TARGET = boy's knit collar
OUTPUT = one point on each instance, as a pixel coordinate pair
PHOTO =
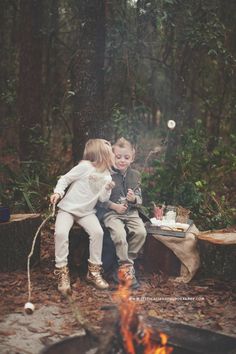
(116, 170)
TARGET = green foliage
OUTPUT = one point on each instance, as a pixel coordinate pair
(127, 124)
(197, 180)
(26, 190)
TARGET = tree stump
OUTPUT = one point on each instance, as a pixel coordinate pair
(16, 237)
(218, 253)
(159, 258)
(217, 260)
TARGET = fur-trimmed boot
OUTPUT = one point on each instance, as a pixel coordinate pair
(94, 276)
(63, 279)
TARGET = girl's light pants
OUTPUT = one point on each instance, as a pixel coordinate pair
(90, 224)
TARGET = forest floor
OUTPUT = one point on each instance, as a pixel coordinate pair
(204, 303)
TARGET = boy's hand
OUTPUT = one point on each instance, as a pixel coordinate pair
(55, 198)
(131, 197)
(119, 208)
(109, 185)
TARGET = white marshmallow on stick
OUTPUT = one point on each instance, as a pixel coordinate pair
(171, 124)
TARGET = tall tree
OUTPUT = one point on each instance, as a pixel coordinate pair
(30, 79)
(88, 75)
(8, 36)
(148, 48)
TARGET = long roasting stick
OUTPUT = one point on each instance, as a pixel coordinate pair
(29, 307)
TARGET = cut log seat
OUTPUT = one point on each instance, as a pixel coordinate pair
(16, 237)
(178, 257)
(218, 253)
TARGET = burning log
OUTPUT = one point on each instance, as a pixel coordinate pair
(184, 339)
(134, 334)
(127, 334)
(187, 339)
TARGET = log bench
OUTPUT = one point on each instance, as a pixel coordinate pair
(217, 258)
(16, 237)
(157, 257)
(178, 257)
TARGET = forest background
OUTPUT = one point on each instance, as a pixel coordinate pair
(78, 69)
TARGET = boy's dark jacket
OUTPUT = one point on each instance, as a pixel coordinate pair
(130, 180)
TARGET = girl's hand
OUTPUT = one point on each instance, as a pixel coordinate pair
(55, 198)
(109, 185)
(119, 208)
(131, 196)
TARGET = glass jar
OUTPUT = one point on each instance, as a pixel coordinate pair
(170, 214)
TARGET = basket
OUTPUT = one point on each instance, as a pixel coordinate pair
(182, 215)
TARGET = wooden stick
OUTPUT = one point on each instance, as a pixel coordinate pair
(32, 250)
(79, 317)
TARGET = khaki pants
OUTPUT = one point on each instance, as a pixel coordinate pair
(127, 246)
(90, 224)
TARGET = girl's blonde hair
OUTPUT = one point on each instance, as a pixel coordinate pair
(99, 152)
(123, 143)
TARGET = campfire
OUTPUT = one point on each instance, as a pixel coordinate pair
(136, 336)
(130, 333)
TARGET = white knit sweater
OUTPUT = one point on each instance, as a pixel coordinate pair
(86, 187)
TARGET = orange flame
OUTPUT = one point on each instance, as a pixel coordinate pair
(141, 336)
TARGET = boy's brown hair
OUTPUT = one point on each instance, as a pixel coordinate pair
(123, 143)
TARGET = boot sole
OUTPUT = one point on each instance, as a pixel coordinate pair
(97, 287)
(65, 293)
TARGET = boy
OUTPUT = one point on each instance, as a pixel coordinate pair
(122, 211)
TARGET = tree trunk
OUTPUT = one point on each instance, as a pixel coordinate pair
(30, 80)
(8, 73)
(53, 88)
(147, 47)
(88, 76)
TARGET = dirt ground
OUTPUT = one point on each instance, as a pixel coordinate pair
(205, 303)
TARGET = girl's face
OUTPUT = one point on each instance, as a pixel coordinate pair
(123, 158)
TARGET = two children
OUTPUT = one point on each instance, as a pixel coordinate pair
(88, 182)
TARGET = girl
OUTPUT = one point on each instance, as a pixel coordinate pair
(88, 182)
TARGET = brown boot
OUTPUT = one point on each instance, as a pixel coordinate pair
(126, 276)
(63, 279)
(94, 276)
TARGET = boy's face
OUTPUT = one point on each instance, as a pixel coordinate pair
(123, 158)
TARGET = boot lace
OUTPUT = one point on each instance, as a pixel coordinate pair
(63, 277)
(127, 273)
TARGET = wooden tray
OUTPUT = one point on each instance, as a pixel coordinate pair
(154, 229)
